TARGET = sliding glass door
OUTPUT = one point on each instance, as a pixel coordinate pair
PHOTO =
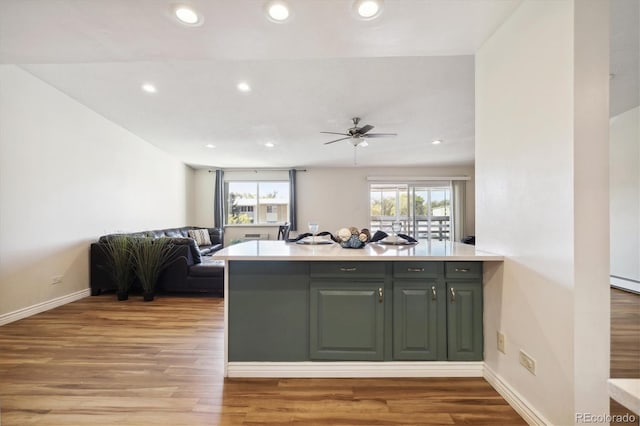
(423, 209)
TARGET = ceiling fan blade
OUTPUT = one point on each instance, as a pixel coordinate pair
(379, 135)
(337, 140)
(364, 129)
(334, 133)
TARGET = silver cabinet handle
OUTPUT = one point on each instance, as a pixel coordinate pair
(347, 269)
(453, 295)
(415, 269)
(433, 293)
(380, 294)
(462, 269)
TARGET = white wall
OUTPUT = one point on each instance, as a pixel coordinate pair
(334, 197)
(541, 200)
(624, 181)
(339, 197)
(67, 176)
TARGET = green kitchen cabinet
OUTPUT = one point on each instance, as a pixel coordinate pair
(419, 321)
(437, 311)
(464, 321)
(464, 311)
(293, 311)
(419, 311)
(346, 320)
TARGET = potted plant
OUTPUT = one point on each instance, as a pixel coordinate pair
(118, 250)
(150, 257)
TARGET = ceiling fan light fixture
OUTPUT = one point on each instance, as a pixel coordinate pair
(368, 9)
(278, 11)
(187, 15)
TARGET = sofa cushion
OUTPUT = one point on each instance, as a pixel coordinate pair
(201, 236)
(205, 250)
(207, 270)
(173, 233)
(159, 233)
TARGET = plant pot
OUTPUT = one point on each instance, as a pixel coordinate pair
(148, 296)
(123, 295)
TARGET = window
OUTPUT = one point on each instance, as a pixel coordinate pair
(423, 209)
(258, 203)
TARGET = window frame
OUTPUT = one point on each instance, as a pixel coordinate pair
(409, 219)
(256, 208)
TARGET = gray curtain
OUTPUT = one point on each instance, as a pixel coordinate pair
(293, 216)
(460, 209)
(218, 200)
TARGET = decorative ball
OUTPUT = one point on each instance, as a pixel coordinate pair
(344, 234)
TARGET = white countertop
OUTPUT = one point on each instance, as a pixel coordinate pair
(626, 392)
(281, 250)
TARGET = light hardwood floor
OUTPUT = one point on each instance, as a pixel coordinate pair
(625, 342)
(102, 362)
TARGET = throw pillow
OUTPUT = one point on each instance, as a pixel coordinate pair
(201, 236)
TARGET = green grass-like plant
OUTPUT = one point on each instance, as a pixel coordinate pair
(119, 257)
(150, 257)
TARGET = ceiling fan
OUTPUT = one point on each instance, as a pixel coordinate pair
(358, 135)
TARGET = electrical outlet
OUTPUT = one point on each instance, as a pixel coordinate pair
(501, 342)
(527, 362)
(56, 279)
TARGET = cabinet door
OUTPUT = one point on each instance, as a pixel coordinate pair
(418, 321)
(464, 321)
(346, 320)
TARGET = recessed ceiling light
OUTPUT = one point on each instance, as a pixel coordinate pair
(243, 86)
(187, 15)
(437, 142)
(278, 11)
(149, 88)
(210, 145)
(269, 144)
(368, 9)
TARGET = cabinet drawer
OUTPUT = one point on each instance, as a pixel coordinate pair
(463, 269)
(417, 269)
(348, 269)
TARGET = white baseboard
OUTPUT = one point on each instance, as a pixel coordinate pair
(43, 306)
(359, 369)
(515, 400)
(625, 284)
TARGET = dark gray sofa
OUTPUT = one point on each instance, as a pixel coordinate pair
(189, 269)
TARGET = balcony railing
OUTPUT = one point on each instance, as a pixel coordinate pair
(435, 228)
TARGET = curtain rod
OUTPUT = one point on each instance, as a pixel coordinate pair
(256, 170)
(414, 178)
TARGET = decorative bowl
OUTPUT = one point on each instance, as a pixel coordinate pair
(353, 242)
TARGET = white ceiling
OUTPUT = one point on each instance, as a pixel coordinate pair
(410, 71)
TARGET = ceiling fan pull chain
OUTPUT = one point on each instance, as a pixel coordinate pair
(355, 155)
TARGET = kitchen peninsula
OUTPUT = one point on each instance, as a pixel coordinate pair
(296, 310)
